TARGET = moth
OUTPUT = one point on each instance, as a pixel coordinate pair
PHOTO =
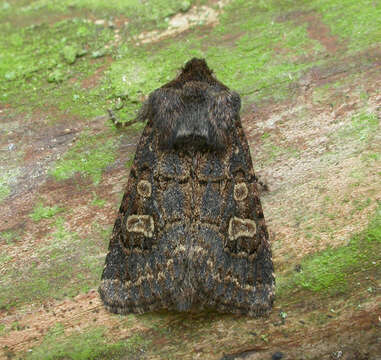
(190, 233)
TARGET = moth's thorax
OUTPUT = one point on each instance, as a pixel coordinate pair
(205, 116)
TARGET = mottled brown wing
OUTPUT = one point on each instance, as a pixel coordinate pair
(130, 274)
(146, 265)
(190, 232)
(233, 266)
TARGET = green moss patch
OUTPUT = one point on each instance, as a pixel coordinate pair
(363, 126)
(256, 49)
(97, 201)
(356, 23)
(9, 236)
(89, 344)
(262, 56)
(44, 212)
(6, 178)
(360, 129)
(66, 264)
(332, 271)
(4, 190)
(44, 65)
(138, 14)
(251, 65)
(89, 156)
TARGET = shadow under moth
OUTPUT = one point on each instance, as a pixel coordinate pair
(190, 233)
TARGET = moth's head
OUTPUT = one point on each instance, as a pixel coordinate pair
(195, 70)
(194, 109)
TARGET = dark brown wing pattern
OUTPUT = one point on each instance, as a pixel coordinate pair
(190, 232)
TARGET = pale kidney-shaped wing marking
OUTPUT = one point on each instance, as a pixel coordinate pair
(241, 228)
(141, 224)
